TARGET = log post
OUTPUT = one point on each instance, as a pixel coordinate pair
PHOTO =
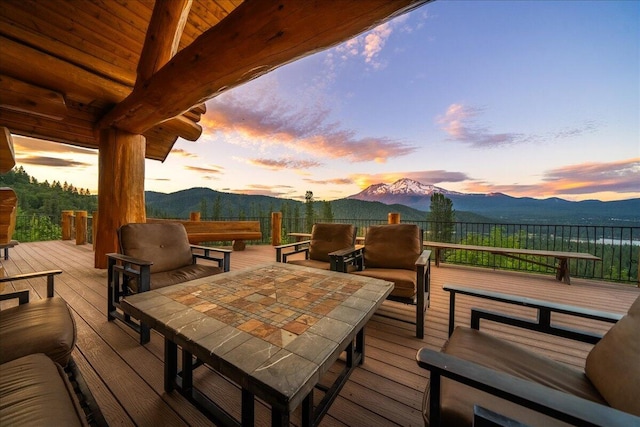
(81, 227)
(393, 218)
(66, 224)
(276, 228)
(194, 216)
(120, 188)
(94, 228)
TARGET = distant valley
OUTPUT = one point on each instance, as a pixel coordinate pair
(411, 199)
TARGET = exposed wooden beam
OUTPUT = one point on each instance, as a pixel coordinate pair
(20, 96)
(163, 36)
(254, 39)
(182, 127)
(22, 61)
(7, 155)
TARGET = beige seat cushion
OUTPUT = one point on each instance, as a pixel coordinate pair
(613, 365)
(165, 244)
(35, 391)
(43, 326)
(486, 350)
(404, 281)
(329, 237)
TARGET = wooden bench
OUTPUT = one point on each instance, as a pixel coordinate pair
(216, 231)
(562, 269)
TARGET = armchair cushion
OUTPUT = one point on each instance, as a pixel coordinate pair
(166, 244)
(36, 391)
(613, 365)
(392, 246)
(330, 237)
(484, 349)
(179, 275)
(404, 280)
(43, 326)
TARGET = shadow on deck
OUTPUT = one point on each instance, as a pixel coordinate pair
(127, 379)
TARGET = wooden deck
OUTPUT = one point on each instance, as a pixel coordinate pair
(126, 378)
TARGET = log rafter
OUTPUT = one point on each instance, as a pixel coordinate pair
(255, 38)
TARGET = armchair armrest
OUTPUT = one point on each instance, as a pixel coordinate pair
(563, 406)
(545, 308)
(298, 247)
(119, 263)
(224, 262)
(351, 255)
(50, 274)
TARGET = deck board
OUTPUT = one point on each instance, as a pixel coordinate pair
(126, 378)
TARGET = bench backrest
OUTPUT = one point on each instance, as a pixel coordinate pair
(214, 226)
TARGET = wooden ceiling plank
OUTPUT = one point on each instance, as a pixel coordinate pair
(53, 46)
(26, 63)
(20, 96)
(97, 36)
(35, 23)
(163, 36)
(254, 39)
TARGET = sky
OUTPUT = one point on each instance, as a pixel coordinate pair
(529, 98)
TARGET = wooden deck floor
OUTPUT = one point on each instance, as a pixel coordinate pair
(126, 378)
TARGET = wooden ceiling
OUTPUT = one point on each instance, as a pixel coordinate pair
(69, 68)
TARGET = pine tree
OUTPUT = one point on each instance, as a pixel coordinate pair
(309, 214)
(441, 217)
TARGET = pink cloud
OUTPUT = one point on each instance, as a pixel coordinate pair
(271, 122)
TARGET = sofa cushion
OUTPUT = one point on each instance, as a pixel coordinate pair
(326, 238)
(486, 350)
(165, 244)
(404, 281)
(392, 246)
(34, 390)
(613, 365)
(43, 326)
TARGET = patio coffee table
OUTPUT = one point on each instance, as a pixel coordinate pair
(273, 329)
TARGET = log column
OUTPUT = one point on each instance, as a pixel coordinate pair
(120, 188)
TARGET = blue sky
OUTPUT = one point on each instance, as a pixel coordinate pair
(529, 98)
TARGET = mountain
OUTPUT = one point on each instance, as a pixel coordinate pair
(502, 207)
(180, 203)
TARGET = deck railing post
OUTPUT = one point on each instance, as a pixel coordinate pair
(81, 227)
(276, 228)
(66, 224)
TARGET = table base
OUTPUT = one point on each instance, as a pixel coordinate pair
(182, 381)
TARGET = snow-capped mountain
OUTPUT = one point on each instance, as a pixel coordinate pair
(402, 187)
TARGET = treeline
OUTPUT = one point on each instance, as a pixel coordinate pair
(44, 198)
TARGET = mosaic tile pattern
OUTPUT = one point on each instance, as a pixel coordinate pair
(273, 303)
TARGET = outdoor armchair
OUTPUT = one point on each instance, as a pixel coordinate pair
(394, 252)
(326, 238)
(476, 368)
(153, 256)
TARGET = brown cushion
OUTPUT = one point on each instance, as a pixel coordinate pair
(43, 326)
(179, 275)
(404, 281)
(318, 264)
(36, 392)
(327, 238)
(613, 365)
(392, 246)
(486, 350)
(165, 244)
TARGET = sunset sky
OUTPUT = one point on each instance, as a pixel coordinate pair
(538, 99)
